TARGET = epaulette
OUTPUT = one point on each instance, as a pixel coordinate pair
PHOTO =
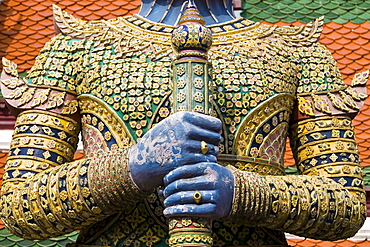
(128, 35)
(342, 100)
(21, 95)
(77, 28)
(304, 35)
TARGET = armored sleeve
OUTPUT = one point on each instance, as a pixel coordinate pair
(327, 200)
(45, 193)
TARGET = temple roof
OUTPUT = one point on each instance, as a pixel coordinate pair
(338, 11)
(320, 243)
(9, 240)
(26, 25)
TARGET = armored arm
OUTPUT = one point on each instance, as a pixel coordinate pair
(327, 201)
(45, 193)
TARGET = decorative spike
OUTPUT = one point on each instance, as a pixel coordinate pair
(192, 14)
(192, 38)
(9, 67)
(360, 78)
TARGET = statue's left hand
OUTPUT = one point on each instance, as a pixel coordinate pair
(200, 190)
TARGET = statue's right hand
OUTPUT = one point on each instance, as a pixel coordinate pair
(174, 142)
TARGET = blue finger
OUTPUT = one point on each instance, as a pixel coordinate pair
(189, 184)
(188, 171)
(195, 158)
(187, 197)
(203, 210)
(200, 134)
(203, 121)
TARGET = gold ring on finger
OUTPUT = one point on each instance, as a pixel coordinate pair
(204, 147)
(197, 196)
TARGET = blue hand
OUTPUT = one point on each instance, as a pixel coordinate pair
(174, 142)
(214, 182)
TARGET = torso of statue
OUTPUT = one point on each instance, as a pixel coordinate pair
(128, 82)
(119, 74)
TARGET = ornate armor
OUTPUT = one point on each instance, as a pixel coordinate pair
(112, 80)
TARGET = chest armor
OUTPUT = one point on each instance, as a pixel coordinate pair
(123, 93)
(254, 82)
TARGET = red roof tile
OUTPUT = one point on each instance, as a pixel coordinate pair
(319, 243)
(30, 22)
(344, 30)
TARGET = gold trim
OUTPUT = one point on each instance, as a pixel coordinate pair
(190, 231)
(66, 124)
(66, 150)
(285, 104)
(39, 136)
(330, 141)
(26, 157)
(97, 107)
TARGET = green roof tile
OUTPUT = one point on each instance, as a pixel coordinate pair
(25, 243)
(270, 2)
(324, 2)
(341, 20)
(253, 2)
(291, 170)
(296, 6)
(313, 5)
(330, 16)
(253, 9)
(348, 6)
(290, 19)
(354, 2)
(271, 19)
(9, 240)
(6, 243)
(4, 234)
(365, 16)
(340, 11)
(14, 238)
(366, 171)
(330, 6)
(322, 12)
(349, 16)
(289, 2)
(262, 5)
(364, 5)
(263, 15)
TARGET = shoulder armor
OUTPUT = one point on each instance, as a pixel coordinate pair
(129, 35)
(304, 35)
(344, 100)
(77, 28)
(21, 95)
